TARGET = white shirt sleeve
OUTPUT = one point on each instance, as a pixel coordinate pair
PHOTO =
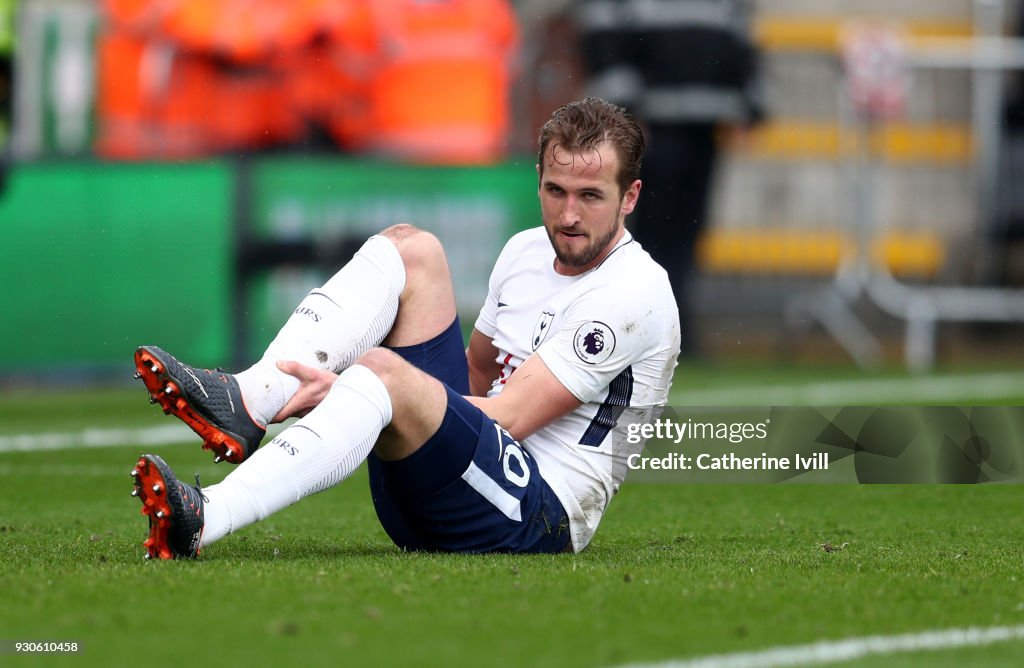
(603, 332)
(487, 322)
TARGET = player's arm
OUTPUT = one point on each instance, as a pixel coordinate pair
(482, 358)
(531, 399)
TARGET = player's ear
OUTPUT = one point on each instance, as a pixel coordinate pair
(630, 197)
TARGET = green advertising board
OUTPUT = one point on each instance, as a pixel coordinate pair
(96, 259)
(472, 210)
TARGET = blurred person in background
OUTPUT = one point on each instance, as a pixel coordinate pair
(688, 70)
(194, 78)
(416, 80)
(435, 79)
(1008, 232)
(7, 8)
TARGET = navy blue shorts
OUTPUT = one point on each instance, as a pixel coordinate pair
(471, 487)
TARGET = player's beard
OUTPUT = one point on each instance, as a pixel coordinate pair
(584, 256)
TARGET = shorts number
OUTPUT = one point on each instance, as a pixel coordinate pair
(512, 450)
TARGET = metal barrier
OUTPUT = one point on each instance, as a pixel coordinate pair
(905, 84)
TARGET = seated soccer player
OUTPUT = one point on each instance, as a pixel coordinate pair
(514, 444)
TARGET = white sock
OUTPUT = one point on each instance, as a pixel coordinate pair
(315, 453)
(331, 327)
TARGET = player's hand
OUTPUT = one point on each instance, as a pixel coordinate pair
(314, 384)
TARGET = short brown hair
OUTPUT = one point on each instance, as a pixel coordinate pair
(582, 125)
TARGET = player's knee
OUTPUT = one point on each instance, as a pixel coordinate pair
(400, 232)
(419, 249)
(385, 364)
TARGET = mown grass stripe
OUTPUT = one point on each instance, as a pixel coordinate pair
(94, 437)
(874, 391)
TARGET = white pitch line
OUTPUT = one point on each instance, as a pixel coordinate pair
(832, 651)
(167, 434)
(872, 391)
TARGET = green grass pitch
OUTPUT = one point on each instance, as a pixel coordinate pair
(675, 571)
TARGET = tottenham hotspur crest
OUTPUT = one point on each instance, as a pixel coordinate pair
(594, 342)
(541, 329)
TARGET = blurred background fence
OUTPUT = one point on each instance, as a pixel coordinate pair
(183, 178)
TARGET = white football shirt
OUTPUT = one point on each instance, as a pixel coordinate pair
(609, 335)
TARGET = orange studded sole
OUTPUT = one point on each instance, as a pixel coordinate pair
(165, 391)
(151, 489)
